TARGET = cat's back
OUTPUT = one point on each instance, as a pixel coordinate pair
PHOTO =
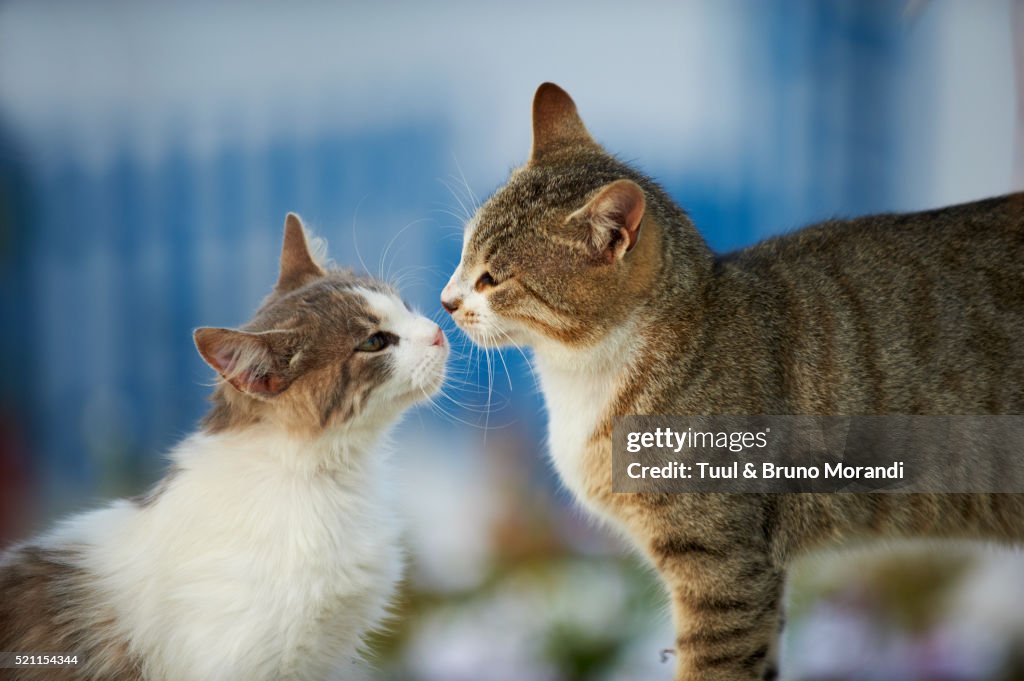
(895, 313)
(975, 234)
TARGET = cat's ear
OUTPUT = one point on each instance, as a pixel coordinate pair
(556, 123)
(297, 264)
(614, 217)
(249, 361)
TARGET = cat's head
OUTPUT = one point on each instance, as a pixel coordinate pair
(564, 252)
(326, 349)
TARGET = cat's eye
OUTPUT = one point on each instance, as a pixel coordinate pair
(485, 281)
(376, 342)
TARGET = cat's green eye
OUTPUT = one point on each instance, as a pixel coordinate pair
(376, 342)
(485, 281)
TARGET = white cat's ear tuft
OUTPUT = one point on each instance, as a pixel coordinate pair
(556, 123)
(248, 361)
(615, 215)
(298, 266)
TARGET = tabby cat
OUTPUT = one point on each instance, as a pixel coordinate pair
(628, 311)
(271, 546)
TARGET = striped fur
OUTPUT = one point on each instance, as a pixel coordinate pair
(890, 314)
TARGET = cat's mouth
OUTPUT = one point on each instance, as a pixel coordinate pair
(470, 325)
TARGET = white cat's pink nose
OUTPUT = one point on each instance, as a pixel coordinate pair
(438, 338)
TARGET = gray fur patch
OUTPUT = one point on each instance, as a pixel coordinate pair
(47, 605)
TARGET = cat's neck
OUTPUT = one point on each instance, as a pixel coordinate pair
(580, 386)
(267, 445)
(584, 380)
(607, 357)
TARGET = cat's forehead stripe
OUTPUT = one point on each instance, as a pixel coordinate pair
(485, 243)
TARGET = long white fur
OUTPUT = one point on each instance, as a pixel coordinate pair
(579, 386)
(248, 566)
(572, 418)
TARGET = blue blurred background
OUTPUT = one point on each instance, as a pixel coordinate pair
(149, 153)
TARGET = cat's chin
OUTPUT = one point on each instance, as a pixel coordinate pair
(399, 403)
(429, 389)
(422, 390)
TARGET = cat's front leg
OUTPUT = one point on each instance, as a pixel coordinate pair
(727, 609)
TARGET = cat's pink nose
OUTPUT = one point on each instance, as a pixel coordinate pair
(438, 337)
(450, 299)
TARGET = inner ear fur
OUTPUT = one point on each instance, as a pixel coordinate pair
(615, 215)
(252, 362)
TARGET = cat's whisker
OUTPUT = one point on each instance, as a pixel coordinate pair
(355, 239)
(490, 381)
(471, 360)
(512, 343)
(474, 201)
(432, 403)
(448, 416)
(457, 216)
(454, 184)
(529, 364)
(465, 210)
(462, 383)
(396, 279)
(391, 242)
(453, 229)
(409, 279)
(476, 409)
(459, 381)
(508, 374)
(494, 400)
(473, 363)
(469, 391)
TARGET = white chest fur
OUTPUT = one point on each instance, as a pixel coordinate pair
(576, 402)
(246, 567)
(579, 388)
